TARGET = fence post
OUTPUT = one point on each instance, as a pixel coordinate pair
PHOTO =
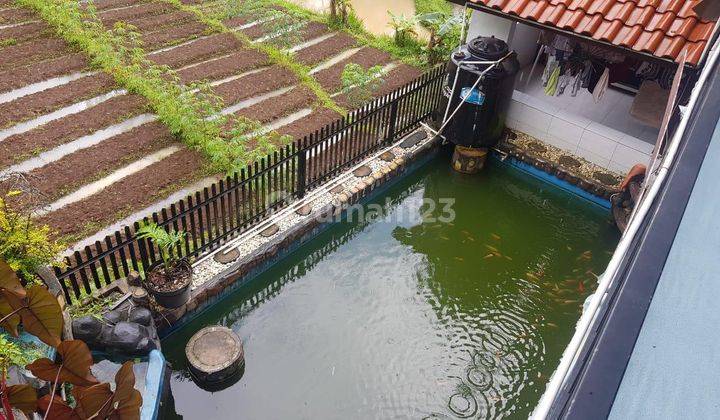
(301, 168)
(393, 120)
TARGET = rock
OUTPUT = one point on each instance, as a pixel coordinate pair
(126, 336)
(385, 170)
(113, 317)
(88, 329)
(387, 156)
(304, 210)
(413, 139)
(362, 171)
(133, 279)
(270, 231)
(337, 189)
(227, 257)
(139, 296)
(142, 316)
(343, 198)
(145, 345)
(393, 166)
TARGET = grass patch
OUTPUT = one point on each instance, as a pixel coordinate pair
(432, 6)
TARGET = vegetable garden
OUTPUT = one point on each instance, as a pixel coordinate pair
(112, 108)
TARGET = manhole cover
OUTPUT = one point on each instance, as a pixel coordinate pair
(569, 161)
(304, 210)
(362, 171)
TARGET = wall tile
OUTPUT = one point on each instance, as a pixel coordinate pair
(592, 157)
(605, 131)
(560, 143)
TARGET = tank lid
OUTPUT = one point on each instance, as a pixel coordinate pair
(488, 48)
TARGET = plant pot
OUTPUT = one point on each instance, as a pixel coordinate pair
(175, 297)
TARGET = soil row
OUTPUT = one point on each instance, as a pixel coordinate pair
(193, 52)
(279, 106)
(309, 124)
(15, 15)
(33, 73)
(127, 195)
(101, 5)
(331, 78)
(255, 84)
(19, 147)
(109, 18)
(326, 49)
(29, 52)
(173, 35)
(27, 107)
(395, 79)
(24, 32)
(67, 174)
(159, 21)
(236, 63)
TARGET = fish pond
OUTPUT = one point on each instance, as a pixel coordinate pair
(452, 297)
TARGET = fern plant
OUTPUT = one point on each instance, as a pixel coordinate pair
(165, 240)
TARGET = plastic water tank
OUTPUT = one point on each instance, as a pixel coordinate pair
(480, 121)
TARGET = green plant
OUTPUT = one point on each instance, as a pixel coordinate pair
(340, 11)
(7, 42)
(444, 34)
(403, 27)
(41, 315)
(94, 307)
(189, 111)
(17, 353)
(359, 84)
(432, 6)
(23, 244)
(165, 240)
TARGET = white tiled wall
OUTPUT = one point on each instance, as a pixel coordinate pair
(602, 145)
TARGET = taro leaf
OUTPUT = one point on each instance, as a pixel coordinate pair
(94, 401)
(59, 410)
(75, 366)
(22, 397)
(40, 313)
(11, 323)
(9, 280)
(127, 399)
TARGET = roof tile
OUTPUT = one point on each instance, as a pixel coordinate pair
(660, 27)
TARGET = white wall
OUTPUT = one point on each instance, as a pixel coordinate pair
(484, 24)
(597, 143)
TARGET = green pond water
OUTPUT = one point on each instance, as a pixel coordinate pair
(407, 316)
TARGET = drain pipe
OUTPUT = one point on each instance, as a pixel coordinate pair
(571, 353)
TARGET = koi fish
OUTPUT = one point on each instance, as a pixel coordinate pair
(495, 236)
(581, 287)
(532, 276)
(550, 324)
(471, 239)
(444, 238)
(488, 256)
(460, 258)
(491, 248)
(508, 258)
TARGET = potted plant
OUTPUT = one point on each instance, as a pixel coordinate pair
(168, 280)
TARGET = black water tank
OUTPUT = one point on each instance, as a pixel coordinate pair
(481, 120)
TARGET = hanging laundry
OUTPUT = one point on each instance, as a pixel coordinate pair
(549, 67)
(602, 85)
(552, 82)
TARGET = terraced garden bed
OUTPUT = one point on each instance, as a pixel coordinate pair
(95, 151)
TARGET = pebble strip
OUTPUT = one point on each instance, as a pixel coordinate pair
(209, 268)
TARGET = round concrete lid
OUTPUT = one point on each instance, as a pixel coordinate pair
(213, 349)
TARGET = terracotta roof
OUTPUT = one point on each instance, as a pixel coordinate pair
(659, 27)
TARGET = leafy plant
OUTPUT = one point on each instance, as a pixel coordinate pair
(444, 34)
(41, 315)
(165, 240)
(359, 85)
(23, 244)
(403, 27)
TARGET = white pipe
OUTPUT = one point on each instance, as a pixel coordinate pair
(571, 353)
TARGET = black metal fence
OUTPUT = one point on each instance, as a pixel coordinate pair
(229, 207)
